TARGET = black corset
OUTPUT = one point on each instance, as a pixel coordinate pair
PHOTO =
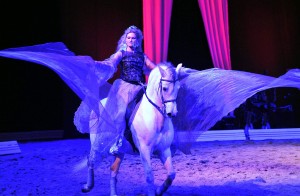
(132, 65)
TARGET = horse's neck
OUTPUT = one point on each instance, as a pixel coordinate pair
(153, 96)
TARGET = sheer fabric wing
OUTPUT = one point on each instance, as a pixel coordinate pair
(82, 74)
(207, 96)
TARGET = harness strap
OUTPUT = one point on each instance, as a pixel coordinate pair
(156, 106)
(162, 98)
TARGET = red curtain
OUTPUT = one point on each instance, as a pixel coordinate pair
(156, 27)
(215, 17)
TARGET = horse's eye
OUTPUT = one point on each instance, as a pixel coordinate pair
(165, 89)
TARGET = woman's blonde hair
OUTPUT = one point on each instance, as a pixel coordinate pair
(139, 36)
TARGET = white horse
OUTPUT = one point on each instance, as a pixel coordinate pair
(151, 128)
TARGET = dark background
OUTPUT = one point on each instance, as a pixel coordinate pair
(264, 37)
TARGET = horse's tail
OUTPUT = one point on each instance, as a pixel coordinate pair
(82, 164)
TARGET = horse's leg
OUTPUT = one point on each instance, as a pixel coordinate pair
(90, 164)
(114, 172)
(145, 154)
(93, 125)
(166, 159)
(90, 175)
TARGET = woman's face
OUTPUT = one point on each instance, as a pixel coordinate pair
(131, 40)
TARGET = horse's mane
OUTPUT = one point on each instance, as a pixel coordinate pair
(156, 74)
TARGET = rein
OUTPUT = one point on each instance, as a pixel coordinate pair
(161, 110)
(156, 106)
(162, 98)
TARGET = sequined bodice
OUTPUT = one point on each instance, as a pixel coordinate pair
(132, 65)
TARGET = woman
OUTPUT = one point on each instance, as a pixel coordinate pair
(133, 66)
(109, 125)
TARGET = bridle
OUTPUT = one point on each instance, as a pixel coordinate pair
(163, 109)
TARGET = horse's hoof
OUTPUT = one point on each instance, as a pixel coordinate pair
(86, 188)
(158, 193)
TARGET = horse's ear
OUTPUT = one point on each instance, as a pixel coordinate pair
(178, 68)
(162, 72)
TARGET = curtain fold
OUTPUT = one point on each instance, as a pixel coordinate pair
(156, 27)
(215, 18)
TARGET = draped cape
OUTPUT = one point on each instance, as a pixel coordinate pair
(204, 97)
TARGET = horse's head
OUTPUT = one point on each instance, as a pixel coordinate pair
(168, 88)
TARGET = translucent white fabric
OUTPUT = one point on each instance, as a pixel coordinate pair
(204, 98)
(207, 96)
(86, 77)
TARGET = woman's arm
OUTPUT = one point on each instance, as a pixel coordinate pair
(116, 58)
(110, 64)
(149, 64)
(113, 60)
